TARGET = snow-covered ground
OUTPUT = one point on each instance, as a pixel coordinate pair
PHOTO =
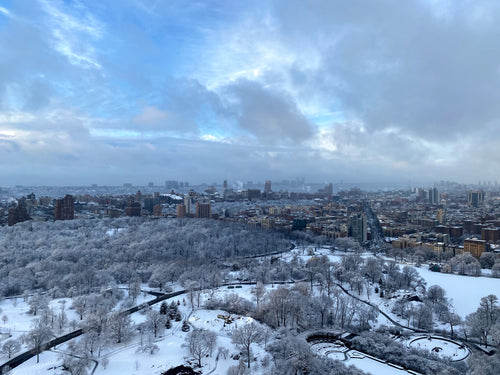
(357, 359)
(465, 291)
(125, 359)
(441, 346)
(19, 321)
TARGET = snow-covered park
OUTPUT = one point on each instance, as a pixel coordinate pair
(129, 359)
(169, 349)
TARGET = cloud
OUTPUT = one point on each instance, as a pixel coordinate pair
(418, 66)
(5, 11)
(151, 117)
(338, 89)
(70, 31)
(271, 116)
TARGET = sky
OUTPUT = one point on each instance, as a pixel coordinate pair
(135, 91)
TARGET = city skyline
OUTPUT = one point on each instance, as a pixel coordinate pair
(135, 91)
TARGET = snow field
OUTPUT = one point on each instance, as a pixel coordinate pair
(465, 291)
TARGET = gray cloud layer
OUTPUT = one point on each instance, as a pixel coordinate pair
(353, 90)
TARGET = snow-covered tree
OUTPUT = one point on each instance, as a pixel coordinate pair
(245, 336)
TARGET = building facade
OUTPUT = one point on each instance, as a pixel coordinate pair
(64, 209)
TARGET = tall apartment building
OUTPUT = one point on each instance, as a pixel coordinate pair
(358, 227)
(203, 210)
(433, 196)
(64, 209)
(188, 202)
(19, 213)
(267, 186)
(475, 197)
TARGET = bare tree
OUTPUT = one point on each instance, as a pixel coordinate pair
(322, 305)
(435, 295)
(37, 338)
(134, 288)
(155, 322)
(10, 347)
(149, 346)
(37, 303)
(75, 365)
(484, 318)
(372, 268)
(245, 336)
(120, 327)
(80, 305)
(200, 343)
(280, 304)
(259, 292)
(453, 319)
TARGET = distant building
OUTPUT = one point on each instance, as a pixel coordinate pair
(267, 223)
(433, 196)
(210, 190)
(456, 232)
(490, 234)
(253, 194)
(138, 196)
(441, 216)
(475, 247)
(133, 208)
(327, 190)
(358, 227)
(267, 187)
(181, 210)
(188, 202)
(150, 202)
(203, 210)
(64, 209)
(18, 214)
(157, 210)
(170, 184)
(475, 198)
(275, 211)
(299, 224)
